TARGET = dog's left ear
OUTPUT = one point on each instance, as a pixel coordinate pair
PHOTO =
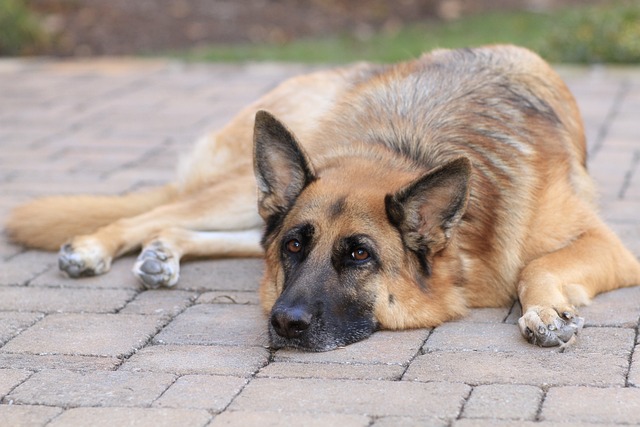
(281, 166)
(428, 209)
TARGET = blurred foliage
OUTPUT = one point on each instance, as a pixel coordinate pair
(608, 33)
(586, 34)
(389, 46)
(407, 42)
(20, 31)
(597, 34)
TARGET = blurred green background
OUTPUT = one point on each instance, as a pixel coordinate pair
(330, 31)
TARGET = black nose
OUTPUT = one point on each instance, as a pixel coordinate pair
(290, 322)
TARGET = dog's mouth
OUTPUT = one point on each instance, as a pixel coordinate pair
(294, 329)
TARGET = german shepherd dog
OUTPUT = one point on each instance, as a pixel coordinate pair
(394, 197)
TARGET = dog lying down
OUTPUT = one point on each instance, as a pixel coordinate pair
(381, 196)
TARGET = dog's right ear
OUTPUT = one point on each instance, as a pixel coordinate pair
(281, 167)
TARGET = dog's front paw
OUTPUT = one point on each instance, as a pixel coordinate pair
(157, 266)
(547, 327)
(82, 258)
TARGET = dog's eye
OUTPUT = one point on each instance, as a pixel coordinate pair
(293, 246)
(360, 254)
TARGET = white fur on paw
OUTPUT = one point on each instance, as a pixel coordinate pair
(83, 259)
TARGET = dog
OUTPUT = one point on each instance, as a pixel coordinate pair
(381, 196)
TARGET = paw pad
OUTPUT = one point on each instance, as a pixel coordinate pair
(156, 268)
(558, 332)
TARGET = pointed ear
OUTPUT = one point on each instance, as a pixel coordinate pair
(281, 167)
(428, 209)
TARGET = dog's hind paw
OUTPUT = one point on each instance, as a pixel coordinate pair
(82, 259)
(157, 267)
(547, 327)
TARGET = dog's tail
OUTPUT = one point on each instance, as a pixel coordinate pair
(49, 222)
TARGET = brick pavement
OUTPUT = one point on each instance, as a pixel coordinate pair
(103, 351)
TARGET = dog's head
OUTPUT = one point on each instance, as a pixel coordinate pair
(354, 246)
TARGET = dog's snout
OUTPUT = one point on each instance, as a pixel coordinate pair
(290, 322)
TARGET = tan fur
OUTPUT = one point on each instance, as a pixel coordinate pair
(527, 228)
(49, 222)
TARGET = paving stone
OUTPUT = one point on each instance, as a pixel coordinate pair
(621, 210)
(624, 128)
(148, 124)
(332, 371)
(12, 323)
(276, 419)
(37, 362)
(62, 178)
(119, 277)
(384, 347)
(100, 388)
(620, 308)
(409, 421)
(500, 337)
(467, 336)
(162, 302)
(25, 267)
(514, 314)
(513, 402)
(229, 297)
(633, 193)
(511, 423)
(211, 392)
(27, 415)
(114, 335)
(373, 398)
(138, 417)
(629, 233)
(540, 369)
(110, 152)
(608, 168)
(211, 324)
(54, 187)
(221, 275)
(593, 405)
(51, 300)
(618, 341)
(634, 372)
(138, 177)
(10, 378)
(7, 249)
(33, 175)
(194, 359)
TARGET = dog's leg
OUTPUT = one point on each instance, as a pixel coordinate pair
(229, 205)
(159, 262)
(552, 286)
